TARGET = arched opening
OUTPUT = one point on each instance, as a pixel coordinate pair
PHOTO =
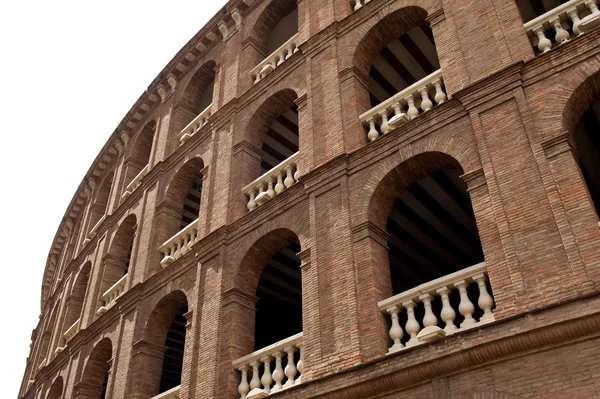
(400, 57)
(117, 262)
(271, 269)
(56, 389)
(277, 28)
(97, 370)
(435, 258)
(275, 127)
(75, 304)
(138, 163)
(194, 109)
(587, 141)
(100, 205)
(44, 355)
(166, 333)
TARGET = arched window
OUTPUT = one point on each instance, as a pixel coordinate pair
(137, 164)
(44, 354)
(436, 265)
(272, 269)
(117, 263)
(400, 58)
(75, 303)
(277, 29)
(275, 127)
(195, 106)
(165, 329)
(100, 205)
(56, 390)
(587, 142)
(96, 371)
(180, 223)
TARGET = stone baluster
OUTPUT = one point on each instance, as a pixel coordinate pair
(440, 96)
(447, 314)
(289, 180)
(270, 190)
(290, 368)
(429, 319)
(278, 375)
(267, 379)
(279, 187)
(544, 44)
(426, 103)
(291, 50)
(412, 325)
(562, 35)
(574, 16)
(251, 203)
(591, 4)
(244, 388)
(300, 365)
(412, 112)
(385, 127)
(466, 307)
(485, 302)
(373, 133)
(396, 332)
(255, 381)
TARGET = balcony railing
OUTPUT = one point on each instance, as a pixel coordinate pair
(582, 14)
(280, 352)
(110, 296)
(407, 301)
(405, 105)
(273, 182)
(274, 60)
(194, 126)
(71, 331)
(136, 182)
(358, 4)
(180, 244)
(172, 393)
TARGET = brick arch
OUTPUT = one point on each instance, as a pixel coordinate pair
(159, 320)
(77, 296)
(271, 14)
(96, 367)
(259, 246)
(569, 100)
(138, 152)
(376, 32)
(266, 113)
(56, 390)
(450, 151)
(117, 263)
(196, 85)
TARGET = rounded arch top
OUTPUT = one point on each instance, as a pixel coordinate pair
(56, 390)
(159, 321)
(269, 18)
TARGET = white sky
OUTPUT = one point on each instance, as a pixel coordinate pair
(70, 72)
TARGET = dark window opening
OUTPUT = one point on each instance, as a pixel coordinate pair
(587, 141)
(173, 355)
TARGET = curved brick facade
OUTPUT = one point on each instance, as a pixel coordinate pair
(507, 126)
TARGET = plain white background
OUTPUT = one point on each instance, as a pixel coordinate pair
(70, 70)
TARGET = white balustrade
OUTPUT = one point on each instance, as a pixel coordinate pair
(172, 393)
(267, 379)
(405, 105)
(273, 182)
(136, 182)
(427, 329)
(71, 331)
(180, 244)
(112, 294)
(274, 60)
(358, 4)
(194, 126)
(578, 16)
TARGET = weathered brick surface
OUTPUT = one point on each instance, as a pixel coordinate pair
(507, 126)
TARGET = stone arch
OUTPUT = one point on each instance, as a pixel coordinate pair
(56, 390)
(156, 371)
(96, 372)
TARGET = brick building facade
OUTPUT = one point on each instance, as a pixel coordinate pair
(342, 199)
